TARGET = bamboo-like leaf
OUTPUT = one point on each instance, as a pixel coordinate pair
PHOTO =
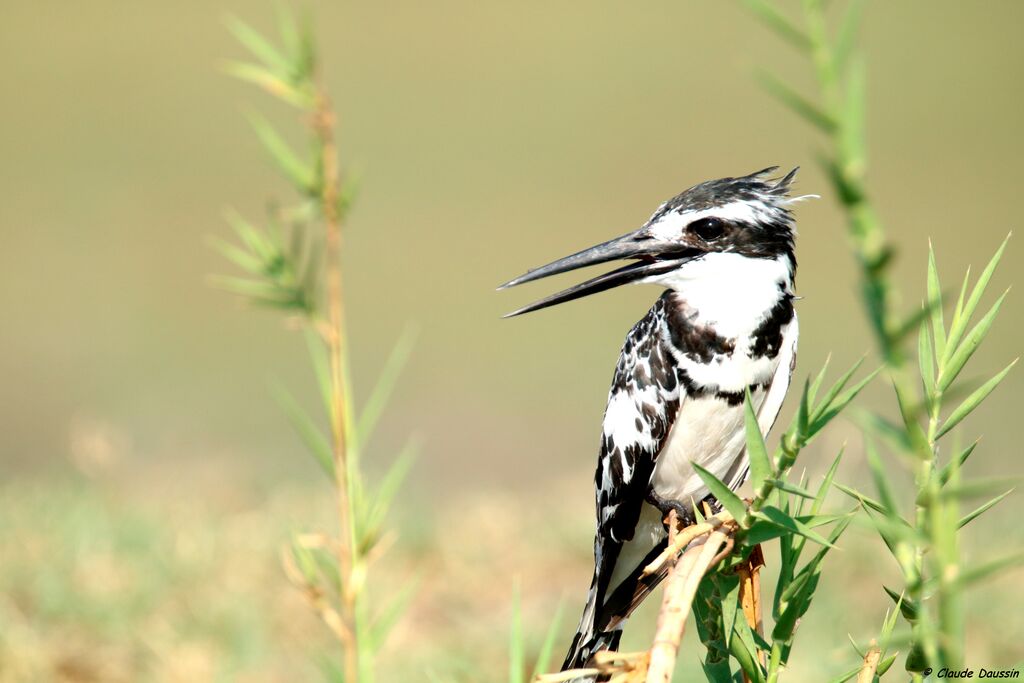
(985, 571)
(548, 644)
(826, 482)
(951, 368)
(389, 615)
(935, 304)
(926, 362)
(270, 83)
(389, 486)
(771, 17)
(846, 36)
(885, 664)
(842, 678)
(973, 401)
(812, 391)
(800, 491)
(259, 46)
(314, 439)
(959, 325)
(321, 368)
(297, 171)
(241, 258)
(852, 123)
(516, 646)
(893, 434)
(386, 381)
(881, 479)
(906, 606)
(729, 500)
(256, 241)
(827, 414)
(757, 452)
(982, 509)
(956, 463)
(799, 104)
(834, 390)
(781, 519)
(958, 310)
(861, 498)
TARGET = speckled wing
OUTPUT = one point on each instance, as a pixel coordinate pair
(642, 405)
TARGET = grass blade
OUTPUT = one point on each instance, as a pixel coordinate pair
(757, 452)
(729, 500)
(935, 303)
(314, 439)
(799, 104)
(972, 401)
(957, 329)
(779, 23)
(547, 646)
(386, 381)
(982, 509)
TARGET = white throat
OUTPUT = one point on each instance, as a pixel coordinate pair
(729, 292)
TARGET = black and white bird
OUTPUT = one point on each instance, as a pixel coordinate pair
(725, 324)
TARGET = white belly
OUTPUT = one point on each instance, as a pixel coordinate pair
(707, 431)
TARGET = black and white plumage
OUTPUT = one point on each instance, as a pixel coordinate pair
(723, 252)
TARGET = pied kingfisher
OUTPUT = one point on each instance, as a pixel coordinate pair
(723, 251)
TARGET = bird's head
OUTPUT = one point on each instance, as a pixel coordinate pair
(746, 216)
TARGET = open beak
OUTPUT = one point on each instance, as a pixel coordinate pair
(654, 257)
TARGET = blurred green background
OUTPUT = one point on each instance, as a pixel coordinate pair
(149, 476)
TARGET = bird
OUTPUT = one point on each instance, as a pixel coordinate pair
(723, 252)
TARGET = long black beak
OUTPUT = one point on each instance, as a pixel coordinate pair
(655, 256)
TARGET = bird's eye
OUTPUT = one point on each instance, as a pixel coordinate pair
(707, 229)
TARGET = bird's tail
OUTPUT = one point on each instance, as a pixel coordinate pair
(588, 639)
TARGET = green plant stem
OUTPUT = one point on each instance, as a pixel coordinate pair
(358, 653)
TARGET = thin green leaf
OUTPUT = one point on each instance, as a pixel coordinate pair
(799, 104)
(881, 479)
(842, 678)
(269, 82)
(386, 381)
(985, 571)
(389, 487)
(947, 470)
(516, 646)
(812, 391)
(297, 171)
(259, 46)
(839, 402)
(891, 433)
(729, 500)
(851, 126)
(241, 258)
(757, 452)
(926, 362)
(935, 303)
(951, 368)
(973, 401)
(886, 664)
(317, 444)
(321, 367)
(771, 17)
(834, 390)
(781, 519)
(847, 34)
(982, 509)
(800, 491)
(390, 614)
(547, 646)
(959, 325)
(826, 482)
(906, 606)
